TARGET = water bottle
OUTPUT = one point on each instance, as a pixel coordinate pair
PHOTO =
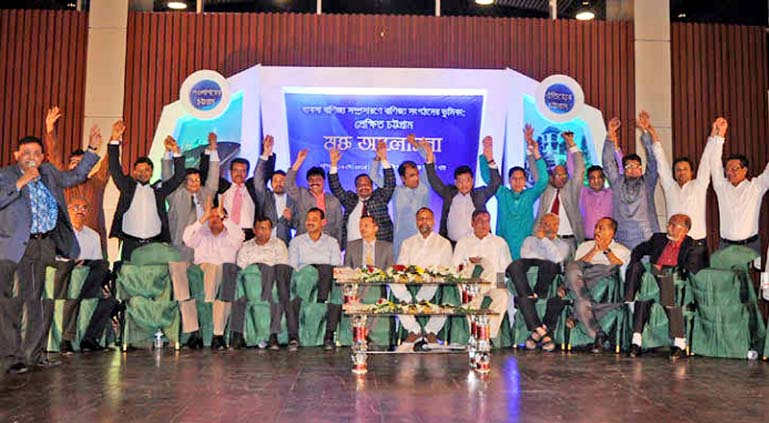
(158, 339)
(752, 355)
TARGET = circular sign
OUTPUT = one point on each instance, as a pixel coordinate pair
(205, 94)
(560, 98)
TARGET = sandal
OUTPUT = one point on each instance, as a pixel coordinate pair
(532, 341)
(547, 343)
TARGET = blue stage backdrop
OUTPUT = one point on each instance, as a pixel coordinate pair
(354, 123)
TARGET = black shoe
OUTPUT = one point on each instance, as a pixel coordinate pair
(273, 343)
(66, 348)
(217, 343)
(195, 341)
(600, 341)
(293, 344)
(89, 345)
(328, 343)
(676, 353)
(47, 364)
(17, 369)
(237, 341)
(635, 351)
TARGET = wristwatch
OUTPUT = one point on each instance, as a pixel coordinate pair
(606, 253)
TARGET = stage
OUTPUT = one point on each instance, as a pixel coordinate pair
(312, 385)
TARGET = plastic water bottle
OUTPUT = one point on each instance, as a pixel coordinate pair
(158, 339)
(752, 355)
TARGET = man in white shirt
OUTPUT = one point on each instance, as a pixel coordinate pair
(315, 248)
(238, 198)
(216, 241)
(546, 251)
(595, 260)
(482, 248)
(424, 249)
(739, 199)
(271, 255)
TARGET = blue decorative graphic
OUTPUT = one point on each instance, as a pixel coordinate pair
(559, 99)
(205, 95)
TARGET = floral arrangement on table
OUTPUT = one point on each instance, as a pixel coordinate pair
(384, 306)
(399, 273)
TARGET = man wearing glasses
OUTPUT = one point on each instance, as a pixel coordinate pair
(633, 192)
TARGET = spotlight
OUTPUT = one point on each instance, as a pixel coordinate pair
(484, 2)
(585, 12)
(176, 5)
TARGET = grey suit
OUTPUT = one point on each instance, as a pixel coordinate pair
(383, 254)
(569, 197)
(181, 212)
(28, 258)
(304, 201)
(266, 202)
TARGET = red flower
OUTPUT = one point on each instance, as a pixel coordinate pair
(399, 268)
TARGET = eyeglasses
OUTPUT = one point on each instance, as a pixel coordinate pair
(734, 168)
(79, 208)
(632, 166)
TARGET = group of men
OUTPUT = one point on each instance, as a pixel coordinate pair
(271, 221)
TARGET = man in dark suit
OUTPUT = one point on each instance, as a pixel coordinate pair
(140, 217)
(364, 201)
(35, 228)
(462, 198)
(275, 204)
(667, 252)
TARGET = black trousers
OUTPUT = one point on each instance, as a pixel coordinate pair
(516, 271)
(98, 277)
(30, 271)
(129, 244)
(325, 283)
(279, 275)
(665, 281)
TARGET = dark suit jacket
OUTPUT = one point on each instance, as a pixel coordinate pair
(266, 201)
(376, 205)
(127, 187)
(16, 214)
(383, 254)
(480, 195)
(691, 256)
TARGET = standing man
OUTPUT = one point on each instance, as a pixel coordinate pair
(34, 218)
(595, 201)
(461, 198)
(314, 197)
(424, 249)
(633, 192)
(739, 198)
(140, 217)
(274, 203)
(561, 196)
(320, 250)
(364, 201)
(187, 203)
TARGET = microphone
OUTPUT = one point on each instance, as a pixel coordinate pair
(32, 163)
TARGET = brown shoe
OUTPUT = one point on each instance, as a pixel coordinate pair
(432, 338)
(411, 338)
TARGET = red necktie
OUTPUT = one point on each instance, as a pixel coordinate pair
(364, 212)
(556, 203)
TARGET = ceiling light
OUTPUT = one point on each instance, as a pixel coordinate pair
(585, 15)
(484, 2)
(682, 16)
(176, 5)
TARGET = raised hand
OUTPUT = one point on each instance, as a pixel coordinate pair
(488, 148)
(267, 145)
(118, 128)
(643, 123)
(568, 136)
(614, 125)
(429, 154)
(212, 138)
(722, 125)
(170, 144)
(528, 133)
(334, 156)
(412, 140)
(381, 150)
(53, 115)
(94, 138)
(300, 157)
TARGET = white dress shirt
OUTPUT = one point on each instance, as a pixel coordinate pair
(214, 249)
(619, 250)
(738, 207)
(280, 205)
(491, 247)
(247, 208)
(353, 222)
(691, 198)
(564, 226)
(460, 216)
(272, 253)
(141, 220)
(90, 244)
(555, 250)
(434, 250)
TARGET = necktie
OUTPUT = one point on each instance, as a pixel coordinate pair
(364, 212)
(237, 204)
(556, 203)
(369, 256)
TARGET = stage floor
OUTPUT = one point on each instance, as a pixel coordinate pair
(312, 385)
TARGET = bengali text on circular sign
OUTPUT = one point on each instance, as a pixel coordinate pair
(205, 94)
(560, 98)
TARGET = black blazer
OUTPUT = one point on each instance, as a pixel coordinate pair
(127, 187)
(692, 257)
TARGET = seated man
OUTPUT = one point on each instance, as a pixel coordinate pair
(93, 287)
(595, 260)
(322, 251)
(216, 241)
(424, 249)
(674, 250)
(271, 254)
(546, 251)
(482, 248)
